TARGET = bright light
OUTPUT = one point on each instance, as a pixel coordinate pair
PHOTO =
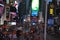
(39, 20)
(35, 4)
(24, 19)
(2, 5)
(35, 7)
(13, 23)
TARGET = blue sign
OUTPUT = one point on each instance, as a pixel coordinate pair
(50, 22)
(34, 13)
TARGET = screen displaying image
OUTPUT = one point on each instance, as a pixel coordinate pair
(34, 13)
(35, 4)
(50, 22)
(35, 7)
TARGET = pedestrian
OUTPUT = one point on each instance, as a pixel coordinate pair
(18, 34)
(10, 35)
(14, 35)
(21, 10)
(4, 27)
(1, 35)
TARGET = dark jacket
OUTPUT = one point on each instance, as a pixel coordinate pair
(12, 9)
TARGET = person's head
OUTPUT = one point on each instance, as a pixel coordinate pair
(21, 0)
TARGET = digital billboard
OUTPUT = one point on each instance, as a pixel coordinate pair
(34, 13)
(50, 22)
(35, 7)
(35, 4)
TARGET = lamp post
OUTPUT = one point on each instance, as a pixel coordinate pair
(45, 21)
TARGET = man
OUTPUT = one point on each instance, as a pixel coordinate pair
(21, 10)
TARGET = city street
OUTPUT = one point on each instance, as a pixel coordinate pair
(29, 19)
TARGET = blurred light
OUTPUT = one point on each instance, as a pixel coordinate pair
(39, 20)
(51, 11)
(33, 23)
(2, 5)
(35, 4)
(7, 1)
(28, 19)
(13, 23)
(24, 19)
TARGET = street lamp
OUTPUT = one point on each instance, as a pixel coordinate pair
(45, 21)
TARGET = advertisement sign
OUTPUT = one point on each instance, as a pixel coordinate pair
(51, 11)
(34, 13)
(50, 22)
(35, 4)
(35, 7)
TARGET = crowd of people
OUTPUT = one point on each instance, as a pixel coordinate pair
(16, 34)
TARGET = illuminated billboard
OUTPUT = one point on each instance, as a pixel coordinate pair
(51, 11)
(35, 7)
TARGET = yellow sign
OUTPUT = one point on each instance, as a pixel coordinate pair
(51, 11)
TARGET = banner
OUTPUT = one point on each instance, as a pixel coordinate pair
(35, 7)
(51, 11)
(50, 22)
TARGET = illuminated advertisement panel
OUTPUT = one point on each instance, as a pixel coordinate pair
(35, 7)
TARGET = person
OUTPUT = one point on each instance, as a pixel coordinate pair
(14, 35)
(4, 26)
(17, 34)
(21, 10)
(1, 35)
(12, 8)
(10, 35)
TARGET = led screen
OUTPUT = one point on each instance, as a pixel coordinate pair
(35, 7)
(34, 13)
(35, 4)
(50, 22)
